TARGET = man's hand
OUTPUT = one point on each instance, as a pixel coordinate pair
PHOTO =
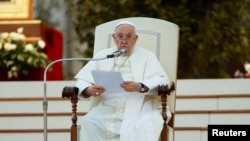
(131, 86)
(95, 90)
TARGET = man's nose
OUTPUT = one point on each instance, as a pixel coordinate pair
(124, 40)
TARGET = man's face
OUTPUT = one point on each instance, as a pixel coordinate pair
(125, 36)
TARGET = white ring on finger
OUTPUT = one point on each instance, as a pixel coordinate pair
(96, 93)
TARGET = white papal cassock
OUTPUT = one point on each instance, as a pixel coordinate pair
(125, 116)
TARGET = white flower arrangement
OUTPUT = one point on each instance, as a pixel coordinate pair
(247, 68)
(18, 56)
(239, 74)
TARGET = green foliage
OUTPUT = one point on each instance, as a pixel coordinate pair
(214, 35)
(44, 13)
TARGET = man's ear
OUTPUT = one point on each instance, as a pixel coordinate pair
(136, 36)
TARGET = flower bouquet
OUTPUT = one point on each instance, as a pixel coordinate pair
(239, 74)
(19, 56)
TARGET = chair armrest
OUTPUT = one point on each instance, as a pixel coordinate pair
(163, 91)
(69, 92)
(72, 93)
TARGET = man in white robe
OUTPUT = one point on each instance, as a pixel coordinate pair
(134, 115)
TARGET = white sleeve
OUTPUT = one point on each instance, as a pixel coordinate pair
(153, 83)
(81, 85)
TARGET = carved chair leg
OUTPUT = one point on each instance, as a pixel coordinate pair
(164, 133)
(72, 92)
(163, 91)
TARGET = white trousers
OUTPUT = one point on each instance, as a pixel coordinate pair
(103, 123)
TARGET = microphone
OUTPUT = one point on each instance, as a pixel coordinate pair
(45, 102)
(118, 53)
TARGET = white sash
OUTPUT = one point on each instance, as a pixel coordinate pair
(133, 127)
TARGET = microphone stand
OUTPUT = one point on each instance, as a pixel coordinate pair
(45, 102)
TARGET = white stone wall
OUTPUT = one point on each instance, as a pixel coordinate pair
(184, 88)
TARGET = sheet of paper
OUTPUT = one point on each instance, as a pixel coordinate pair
(110, 80)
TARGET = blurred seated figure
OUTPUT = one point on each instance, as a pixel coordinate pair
(132, 115)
